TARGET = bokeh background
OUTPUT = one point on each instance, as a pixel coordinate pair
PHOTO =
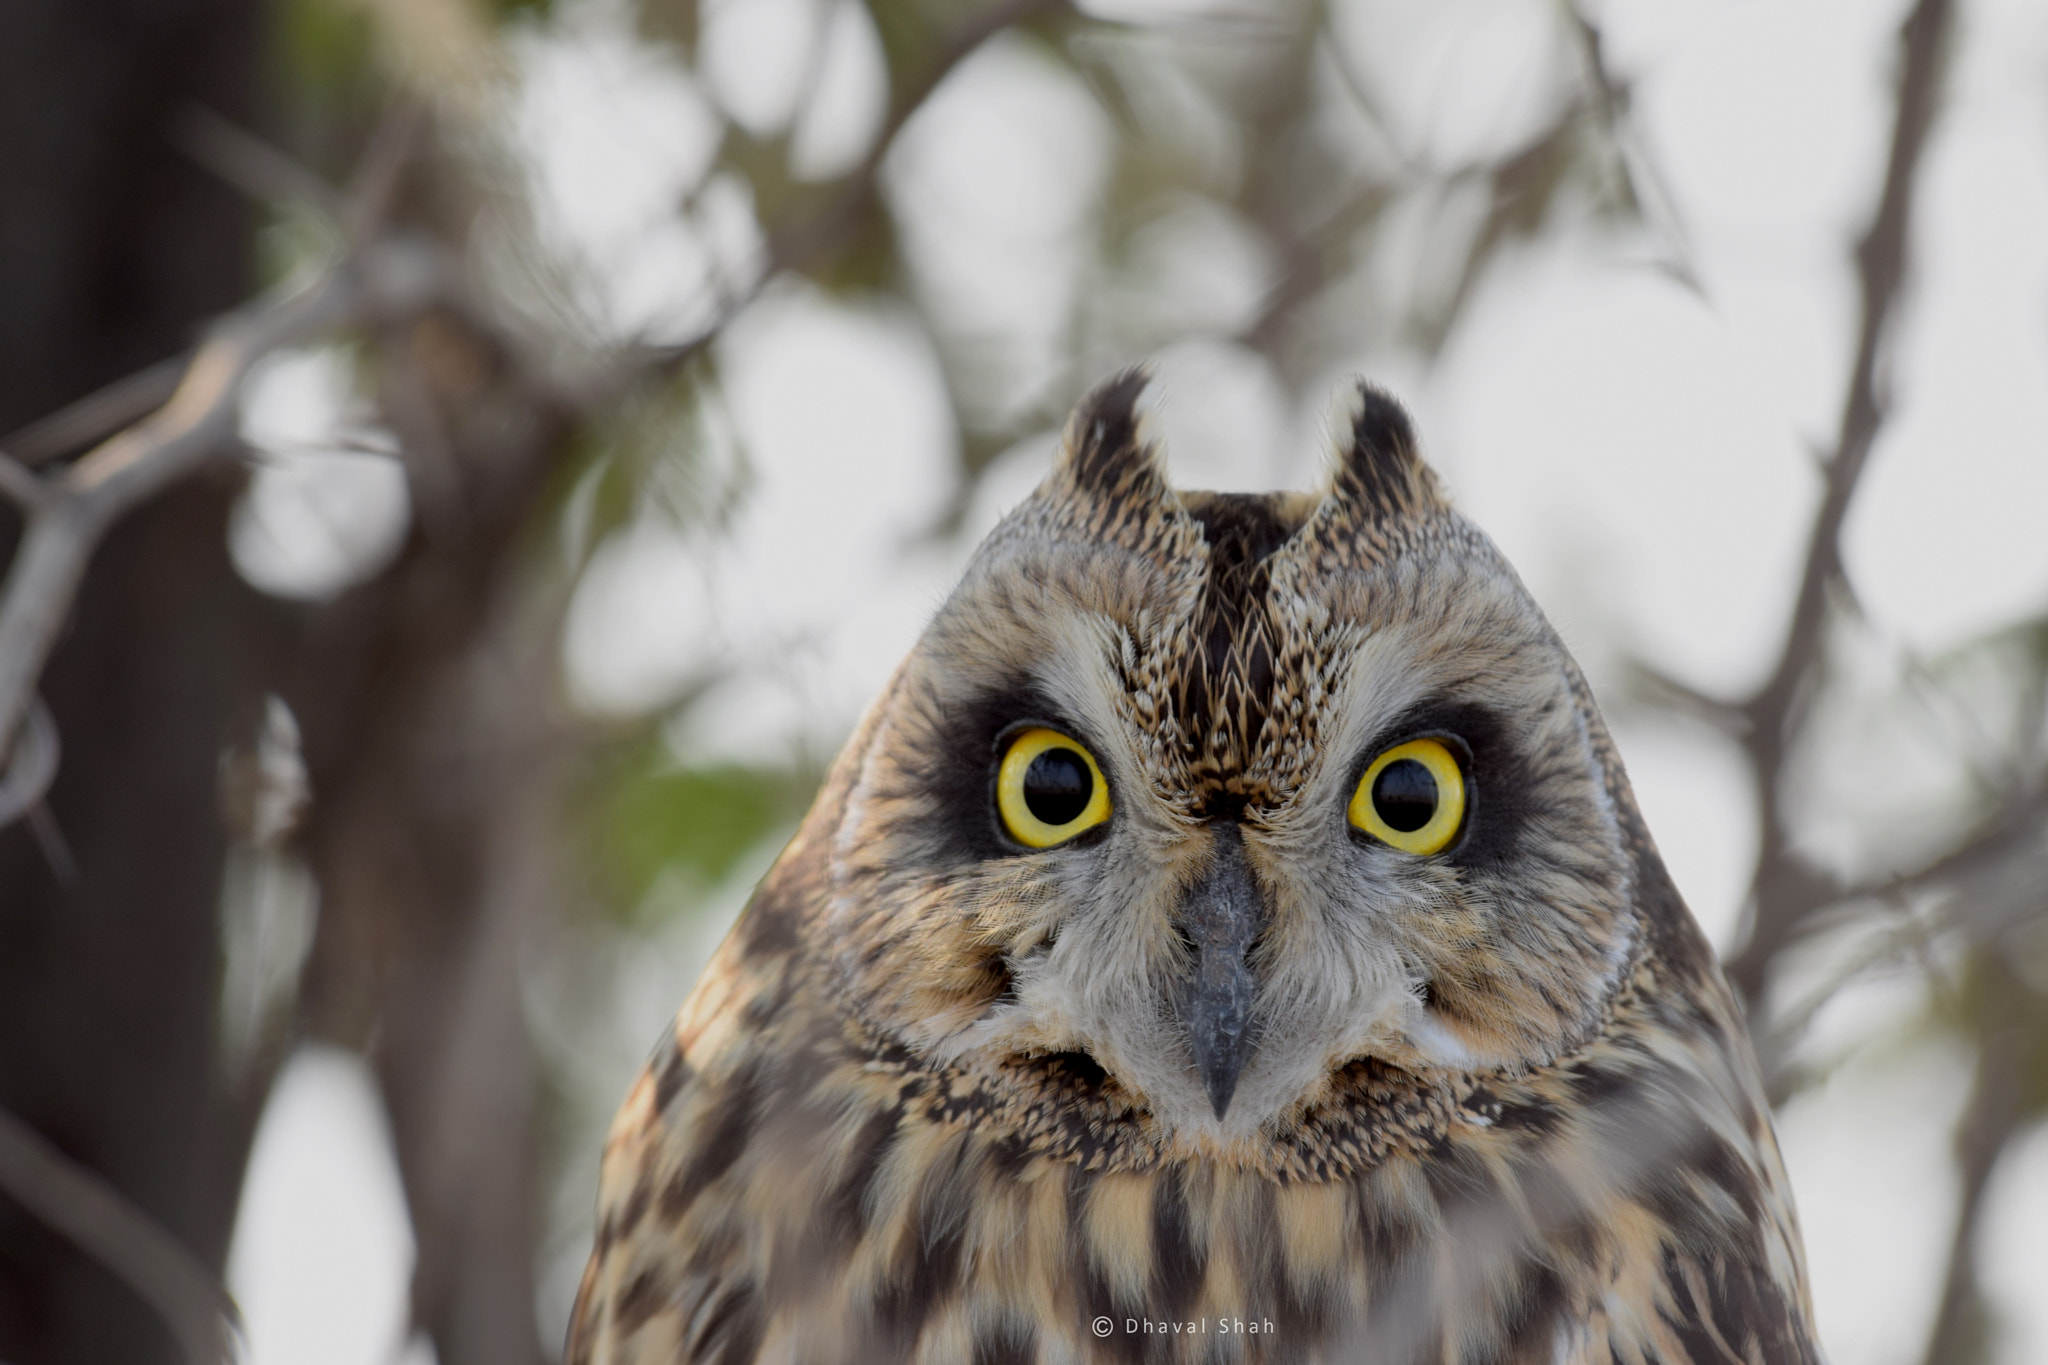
(420, 742)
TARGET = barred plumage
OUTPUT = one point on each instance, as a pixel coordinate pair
(944, 1097)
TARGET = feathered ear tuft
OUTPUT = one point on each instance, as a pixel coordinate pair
(1380, 473)
(1108, 482)
(1103, 453)
(1379, 494)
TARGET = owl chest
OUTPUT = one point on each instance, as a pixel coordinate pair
(887, 1240)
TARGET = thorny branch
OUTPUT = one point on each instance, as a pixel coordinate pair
(1784, 890)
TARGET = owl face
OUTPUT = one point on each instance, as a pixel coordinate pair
(1206, 796)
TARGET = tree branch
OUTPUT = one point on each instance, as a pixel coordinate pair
(79, 502)
(121, 1237)
(96, 416)
(1783, 889)
(1993, 1117)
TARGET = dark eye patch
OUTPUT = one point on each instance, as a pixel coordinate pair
(958, 751)
(1500, 782)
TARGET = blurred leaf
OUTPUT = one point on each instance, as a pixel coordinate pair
(328, 49)
(657, 819)
(1999, 991)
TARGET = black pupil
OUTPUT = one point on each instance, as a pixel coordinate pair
(1404, 794)
(1057, 786)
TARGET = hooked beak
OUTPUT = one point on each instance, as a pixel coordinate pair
(1221, 916)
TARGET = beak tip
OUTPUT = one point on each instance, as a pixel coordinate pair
(1219, 1065)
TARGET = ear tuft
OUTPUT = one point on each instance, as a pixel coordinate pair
(1104, 453)
(1380, 472)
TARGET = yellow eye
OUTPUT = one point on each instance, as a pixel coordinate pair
(1412, 797)
(1049, 789)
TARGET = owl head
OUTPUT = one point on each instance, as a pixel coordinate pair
(1213, 795)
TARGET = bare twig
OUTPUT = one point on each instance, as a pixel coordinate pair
(79, 503)
(96, 416)
(121, 1237)
(375, 181)
(19, 486)
(31, 765)
(1783, 890)
(1655, 687)
(252, 165)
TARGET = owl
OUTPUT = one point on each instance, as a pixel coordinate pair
(1230, 937)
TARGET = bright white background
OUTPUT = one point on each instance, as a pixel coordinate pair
(1640, 448)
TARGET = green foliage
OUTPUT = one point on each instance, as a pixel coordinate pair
(649, 819)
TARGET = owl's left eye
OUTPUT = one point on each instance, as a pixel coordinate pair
(1048, 789)
(1412, 797)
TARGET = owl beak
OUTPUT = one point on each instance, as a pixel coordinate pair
(1221, 917)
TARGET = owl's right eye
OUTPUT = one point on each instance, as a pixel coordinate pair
(1412, 797)
(1049, 789)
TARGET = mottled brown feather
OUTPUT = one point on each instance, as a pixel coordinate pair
(885, 1128)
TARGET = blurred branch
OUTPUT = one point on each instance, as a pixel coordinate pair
(120, 1237)
(1651, 685)
(250, 164)
(74, 507)
(97, 415)
(1994, 1116)
(1784, 890)
(803, 240)
(800, 243)
(30, 766)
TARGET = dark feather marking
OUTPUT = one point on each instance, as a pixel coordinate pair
(643, 1297)
(1733, 1310)
(734, 1323)
(1534, 1117)
(1179, 1261)
(670, 1075)
(628, 1215)
(843, 1212)
(1082, 1069)
(1091, 1287)
(927, 1266)
(1302, 1310)
(772, 924)
(1673, 933)
(1695, 1325)
(1458, 1178)
(720, 1148)
(1005, 1342)
(1718, 1162)
(1604, 1088)
(1541, 1299)
(716, 1249)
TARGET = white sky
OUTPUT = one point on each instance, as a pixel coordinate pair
(1640, 450)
